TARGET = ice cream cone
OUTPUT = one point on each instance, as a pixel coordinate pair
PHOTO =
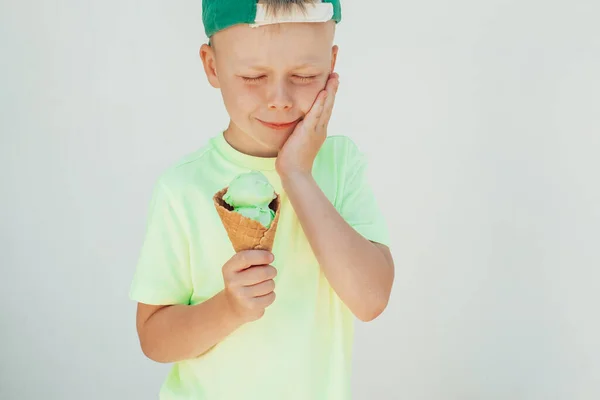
(245, 233)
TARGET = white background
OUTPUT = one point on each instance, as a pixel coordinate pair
(481, 121)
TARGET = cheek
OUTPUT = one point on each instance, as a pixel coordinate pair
(240, 99)
(306, 95)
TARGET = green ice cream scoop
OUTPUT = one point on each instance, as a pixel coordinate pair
(261, 214)
(251, 189)
(250, 195)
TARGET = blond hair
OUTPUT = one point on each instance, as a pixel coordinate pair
(274, 7)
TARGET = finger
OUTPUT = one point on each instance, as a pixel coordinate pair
(260, 289)
(247, 258)
(265, 301)
(332, 88)
(256, 274)
(314, 115)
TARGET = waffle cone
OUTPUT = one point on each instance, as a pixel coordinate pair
(245, 233)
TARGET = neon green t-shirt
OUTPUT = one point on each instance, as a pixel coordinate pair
(302, 347)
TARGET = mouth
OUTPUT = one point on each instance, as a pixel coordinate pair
(279, 125)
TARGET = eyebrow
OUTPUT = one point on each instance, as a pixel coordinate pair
(251, 64)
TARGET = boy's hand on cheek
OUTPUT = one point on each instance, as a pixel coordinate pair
(299, 151)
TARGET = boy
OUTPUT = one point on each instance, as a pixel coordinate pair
(214, 313)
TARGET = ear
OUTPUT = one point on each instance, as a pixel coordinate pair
(209, 61)
(334, 53)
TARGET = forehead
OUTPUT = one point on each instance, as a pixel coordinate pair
(279, 44)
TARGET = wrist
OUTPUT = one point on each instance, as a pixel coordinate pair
(231, 315)
(295, 176)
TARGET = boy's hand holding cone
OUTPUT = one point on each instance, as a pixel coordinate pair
(249, 283)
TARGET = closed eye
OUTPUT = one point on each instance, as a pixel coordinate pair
(253, 79)
(305, 78)
(301, 78)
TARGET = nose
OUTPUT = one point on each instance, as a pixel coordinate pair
(279, 97)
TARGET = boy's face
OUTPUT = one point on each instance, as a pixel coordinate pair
(269, 75)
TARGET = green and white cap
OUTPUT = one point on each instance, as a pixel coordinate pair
(221, 14)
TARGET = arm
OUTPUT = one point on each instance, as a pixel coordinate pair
(361, 272)
(179, 332)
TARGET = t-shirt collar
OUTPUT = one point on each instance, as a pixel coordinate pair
(242, 159)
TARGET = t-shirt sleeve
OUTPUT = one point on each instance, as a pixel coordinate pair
(358, 204)
(162, 275)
